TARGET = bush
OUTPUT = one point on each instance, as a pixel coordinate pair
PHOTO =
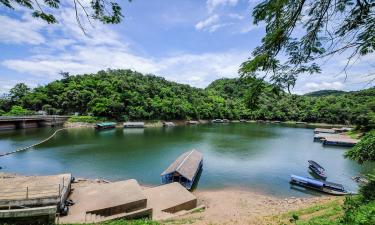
(18, 111)
(358, 213)
(83, 119)
(364, 150)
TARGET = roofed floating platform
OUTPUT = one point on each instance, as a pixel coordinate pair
(134, 125)
(184, 170)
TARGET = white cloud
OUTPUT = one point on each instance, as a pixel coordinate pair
(69, 50)
(20, 31)
(202, 25)
(313, 86)
(213, 4)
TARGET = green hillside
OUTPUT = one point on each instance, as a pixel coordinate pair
(125, 94)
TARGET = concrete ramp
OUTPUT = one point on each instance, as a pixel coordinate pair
(99, 202)
(169, 198)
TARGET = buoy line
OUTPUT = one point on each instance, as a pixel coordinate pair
(28, 147)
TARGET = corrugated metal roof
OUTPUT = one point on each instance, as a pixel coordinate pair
(186, 164)
(106, 124)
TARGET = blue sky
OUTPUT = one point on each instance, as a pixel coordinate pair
(187, 41)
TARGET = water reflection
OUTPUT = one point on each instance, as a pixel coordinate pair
(256, 156)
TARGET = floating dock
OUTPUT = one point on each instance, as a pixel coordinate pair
(37, 197)
(184, 170)
(320, 137)
(335, 141)
(324, 130)
(192, 122)
(134, 125)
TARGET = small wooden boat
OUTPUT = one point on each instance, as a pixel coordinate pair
(322, 186)
(317, 169)
(105, 125)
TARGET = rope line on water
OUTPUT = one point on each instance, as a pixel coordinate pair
(28, 147)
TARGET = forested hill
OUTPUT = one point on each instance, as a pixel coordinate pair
(125, 94)
(324, 93)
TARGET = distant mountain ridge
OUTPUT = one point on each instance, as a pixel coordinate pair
(325, 92)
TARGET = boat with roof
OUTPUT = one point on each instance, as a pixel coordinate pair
(105, 125)
(319, 185)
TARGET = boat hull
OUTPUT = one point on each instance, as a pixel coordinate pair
(324, 190)
(317, 174)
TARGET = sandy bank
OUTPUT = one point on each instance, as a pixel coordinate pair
(234, 206)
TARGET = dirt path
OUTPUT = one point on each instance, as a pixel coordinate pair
(231, 206)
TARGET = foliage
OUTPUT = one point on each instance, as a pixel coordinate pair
(18, 92)
(83, 119)
(359, 212)
(368, 190)
(301, 32)
(108, 12)
(18, 111)
(364, 150)
(128, 95)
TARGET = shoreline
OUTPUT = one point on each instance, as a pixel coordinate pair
(229, 205)
(159, 123)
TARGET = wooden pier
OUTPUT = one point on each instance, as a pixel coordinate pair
(36, 197)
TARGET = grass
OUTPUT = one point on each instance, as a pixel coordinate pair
(83, 119)
(127, 222)
(319, 214)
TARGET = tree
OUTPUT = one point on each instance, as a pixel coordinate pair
(108, 12)
(300, 32)
(364, 150)
(18, 92)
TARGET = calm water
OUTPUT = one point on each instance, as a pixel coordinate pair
(256, 156)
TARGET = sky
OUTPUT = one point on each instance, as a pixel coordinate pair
(187, 41)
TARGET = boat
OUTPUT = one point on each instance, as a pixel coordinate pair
(134, 125)
(317, 169)
(168, 124)
(217, 121)
(184, 169)
(319, 185)
(105, 125)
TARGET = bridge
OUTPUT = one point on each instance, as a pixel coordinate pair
(21, 122)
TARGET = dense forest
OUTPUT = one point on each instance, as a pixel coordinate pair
(129, 95)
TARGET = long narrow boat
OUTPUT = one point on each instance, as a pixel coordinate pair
(317, 169)
(322, 186)
(105, 125)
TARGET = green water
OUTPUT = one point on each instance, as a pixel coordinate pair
(255, 156)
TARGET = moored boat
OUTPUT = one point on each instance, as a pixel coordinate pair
(317, 169)
(319, 185)
(105, 125)
(184, 170)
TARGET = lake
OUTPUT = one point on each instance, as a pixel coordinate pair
(246, 155)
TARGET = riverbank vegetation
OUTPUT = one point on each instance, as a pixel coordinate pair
(129, 95)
